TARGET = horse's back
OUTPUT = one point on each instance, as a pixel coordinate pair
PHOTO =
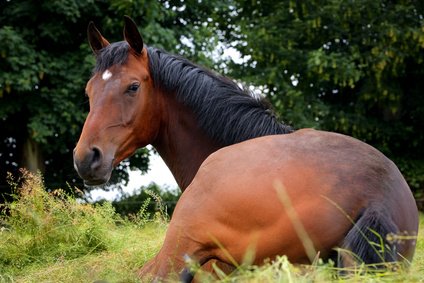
(330, 179)
(343, 164)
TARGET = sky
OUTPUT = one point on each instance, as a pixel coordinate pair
(158, 173)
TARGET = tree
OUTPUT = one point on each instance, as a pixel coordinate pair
(42, 75)
(354, 67)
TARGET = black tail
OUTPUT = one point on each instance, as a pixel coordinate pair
(369, 240)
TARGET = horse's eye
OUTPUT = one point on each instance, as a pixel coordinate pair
(133, 87)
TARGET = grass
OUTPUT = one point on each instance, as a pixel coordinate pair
(51, 237)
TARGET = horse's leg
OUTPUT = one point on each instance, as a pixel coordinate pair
(170, 261)
(148, 268)
(209, 268)
(164, 265)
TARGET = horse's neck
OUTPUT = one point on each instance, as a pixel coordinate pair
(181, 143)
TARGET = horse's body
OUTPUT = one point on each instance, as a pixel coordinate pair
(245, 186)
(331, 181)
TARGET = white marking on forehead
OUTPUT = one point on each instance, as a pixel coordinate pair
(106, 75)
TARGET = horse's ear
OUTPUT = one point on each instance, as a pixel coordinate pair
(132, 36)
(95, 38)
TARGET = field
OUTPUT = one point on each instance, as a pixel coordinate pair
(51, 237)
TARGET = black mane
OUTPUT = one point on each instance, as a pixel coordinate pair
(113, 54)
(226, 112)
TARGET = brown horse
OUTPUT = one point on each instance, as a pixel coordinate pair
(248, 181)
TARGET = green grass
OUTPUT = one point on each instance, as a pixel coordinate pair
(51, 237)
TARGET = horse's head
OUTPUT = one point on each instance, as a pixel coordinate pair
(123, 115)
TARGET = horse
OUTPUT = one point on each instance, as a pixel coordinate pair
(248, 181)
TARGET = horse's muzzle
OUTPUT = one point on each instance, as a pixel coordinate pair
(92, 166)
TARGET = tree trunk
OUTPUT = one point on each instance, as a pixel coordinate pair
(32, 157)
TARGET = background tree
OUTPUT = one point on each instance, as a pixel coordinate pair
(354, 67)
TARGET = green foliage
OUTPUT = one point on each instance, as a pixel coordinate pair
(147, 202)
(353, 67)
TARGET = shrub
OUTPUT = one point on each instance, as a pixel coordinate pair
(148, 200)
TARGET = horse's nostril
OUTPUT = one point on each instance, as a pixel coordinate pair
(96, 160)
(96, 154)
(92, 166)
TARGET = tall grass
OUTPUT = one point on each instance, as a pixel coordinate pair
(52, 231)
(51, 237)
(41, 228)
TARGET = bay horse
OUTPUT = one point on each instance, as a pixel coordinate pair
(248, 181)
